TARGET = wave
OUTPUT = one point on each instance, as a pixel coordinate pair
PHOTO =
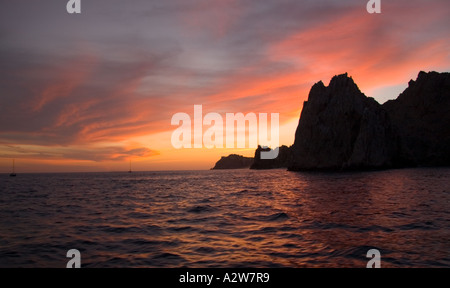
(200, 209)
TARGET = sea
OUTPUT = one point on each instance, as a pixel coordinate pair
(226, 219)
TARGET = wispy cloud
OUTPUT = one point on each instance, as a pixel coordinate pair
(89, 153)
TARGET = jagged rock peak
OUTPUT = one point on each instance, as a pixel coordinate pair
(342, 80)
(341, 128)
(425, 77)
(341, 85)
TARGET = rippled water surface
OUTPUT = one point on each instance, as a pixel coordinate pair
(237, 218)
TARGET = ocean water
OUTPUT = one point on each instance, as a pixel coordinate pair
(236, 218)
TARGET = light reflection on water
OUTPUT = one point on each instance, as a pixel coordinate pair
(237, 218)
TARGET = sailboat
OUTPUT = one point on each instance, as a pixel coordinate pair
(13, 174)
(130, 168)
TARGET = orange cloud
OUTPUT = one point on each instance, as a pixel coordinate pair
(67, 78)
(366, 47)
(97, 153)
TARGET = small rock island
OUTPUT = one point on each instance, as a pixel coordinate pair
(233, 161)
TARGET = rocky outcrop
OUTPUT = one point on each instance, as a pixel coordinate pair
(233, 161)
(341, 128)
(421, 115)
(282, 161)
(239, 162)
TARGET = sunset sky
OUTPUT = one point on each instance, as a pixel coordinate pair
(89, 92)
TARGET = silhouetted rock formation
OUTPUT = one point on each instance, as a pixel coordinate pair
(282, 161)
(233, 161)
(341, 128)
(421, 115)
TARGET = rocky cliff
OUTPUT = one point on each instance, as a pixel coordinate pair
(233, 161)
(340, 128)
(421, 115)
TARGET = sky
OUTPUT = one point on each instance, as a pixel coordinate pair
(92, 91)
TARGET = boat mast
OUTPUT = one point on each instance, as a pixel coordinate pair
(13, 174)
